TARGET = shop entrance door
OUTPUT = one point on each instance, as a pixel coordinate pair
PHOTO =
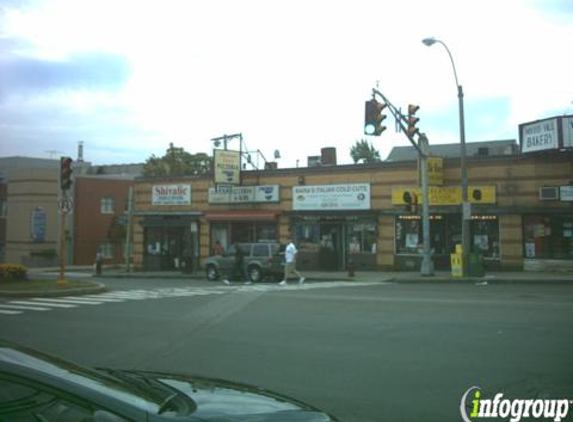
(331, 254)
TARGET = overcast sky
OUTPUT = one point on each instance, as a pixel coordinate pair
(129, 77)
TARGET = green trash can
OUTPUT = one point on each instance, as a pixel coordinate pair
(475, 265)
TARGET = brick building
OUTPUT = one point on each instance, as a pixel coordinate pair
(339, 214)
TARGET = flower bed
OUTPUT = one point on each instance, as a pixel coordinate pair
(13, 272)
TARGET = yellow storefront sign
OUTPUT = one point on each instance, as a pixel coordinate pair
(435, 171)
(447, 195)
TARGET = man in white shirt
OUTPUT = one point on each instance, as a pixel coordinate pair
(290, 262)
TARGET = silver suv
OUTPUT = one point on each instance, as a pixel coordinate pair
(262, 260)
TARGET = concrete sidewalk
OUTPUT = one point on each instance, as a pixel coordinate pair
(498, 277)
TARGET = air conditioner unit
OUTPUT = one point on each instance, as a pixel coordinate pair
(549, 193)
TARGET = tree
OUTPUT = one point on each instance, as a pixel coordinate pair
(363, 150)
(177, 161)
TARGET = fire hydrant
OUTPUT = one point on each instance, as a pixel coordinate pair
(351, 268)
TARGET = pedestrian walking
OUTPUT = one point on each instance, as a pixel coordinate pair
(290, 263)
(98, 262)
(238, 270)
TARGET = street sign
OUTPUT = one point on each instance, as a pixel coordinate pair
(65, 204)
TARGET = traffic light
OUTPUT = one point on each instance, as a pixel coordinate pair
(477, 194)
(412, 120)
(411, 200)
(373, 118)
(65, 172)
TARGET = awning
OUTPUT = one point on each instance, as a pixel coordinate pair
(241, 215)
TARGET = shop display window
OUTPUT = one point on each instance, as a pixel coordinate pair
(409, 235)
(484, 231)
(548, 237)
(361, 238)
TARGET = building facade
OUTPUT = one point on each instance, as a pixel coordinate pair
(357, 213)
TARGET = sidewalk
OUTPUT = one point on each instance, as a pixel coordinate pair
(318, 276)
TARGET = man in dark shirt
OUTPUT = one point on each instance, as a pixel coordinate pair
(238, 269)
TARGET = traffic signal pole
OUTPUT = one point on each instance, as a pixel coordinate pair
(63, 247)
(427, 266)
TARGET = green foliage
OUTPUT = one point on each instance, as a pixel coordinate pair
(13, 272)
(177, 162)
(363, 150)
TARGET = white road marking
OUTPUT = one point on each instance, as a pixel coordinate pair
(30, 308)
(72, 300)
(10, 312)
(54, 305)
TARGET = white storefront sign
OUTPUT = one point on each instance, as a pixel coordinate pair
(243, 194)
(567, 129)
(539, 136)
(354, 196)
(171, 195)
(566, 193)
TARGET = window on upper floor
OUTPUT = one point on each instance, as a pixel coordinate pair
(107, 205)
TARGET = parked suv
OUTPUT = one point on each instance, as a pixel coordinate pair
(262, 260)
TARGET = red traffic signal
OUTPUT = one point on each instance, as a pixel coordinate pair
(373, 118)
(66, 172)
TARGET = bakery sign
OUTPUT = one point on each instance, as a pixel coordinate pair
(547, 134)
(171, 195)
(354, 196)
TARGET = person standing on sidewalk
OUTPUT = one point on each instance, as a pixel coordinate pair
(290, 263)
(98, 262)
(238, 269)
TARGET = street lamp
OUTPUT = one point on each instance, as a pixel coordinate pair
(466, 210)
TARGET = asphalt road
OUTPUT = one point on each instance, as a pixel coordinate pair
(370, 352)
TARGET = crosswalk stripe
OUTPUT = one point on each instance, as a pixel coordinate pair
(103, 299)
(54, 305)
(30, 308)
(10, 312)
(73, 300)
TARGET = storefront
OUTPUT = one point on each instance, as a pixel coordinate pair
(334, 225)
(228, 227)
(239, 224)
(445, 234)
(171, 242)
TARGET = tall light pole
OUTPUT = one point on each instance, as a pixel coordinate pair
(466, 210)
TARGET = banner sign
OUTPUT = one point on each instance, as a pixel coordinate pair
(354, 196)
(227, 167)
(447, 195)
(244, 194)
(171, 195)
(566, 193)
(546, 134)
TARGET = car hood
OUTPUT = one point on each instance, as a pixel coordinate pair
(223, 400)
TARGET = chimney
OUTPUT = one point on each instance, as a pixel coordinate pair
(328, 156)
(80, 152)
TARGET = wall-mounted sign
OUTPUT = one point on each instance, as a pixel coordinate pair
(447, 195)
(38, 225)
(243, 194)
(435, 171)
(171, 195)
(331, 197)
(227, 167)
(546, 134)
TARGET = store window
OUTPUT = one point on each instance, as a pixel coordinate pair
(485, 235)
(243, 232)
(361, 238)
(107, 205)
(548, 237)
(409, 235)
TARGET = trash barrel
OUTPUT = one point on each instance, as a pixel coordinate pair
(475, 265)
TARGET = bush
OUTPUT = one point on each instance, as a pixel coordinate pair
(13, 272)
